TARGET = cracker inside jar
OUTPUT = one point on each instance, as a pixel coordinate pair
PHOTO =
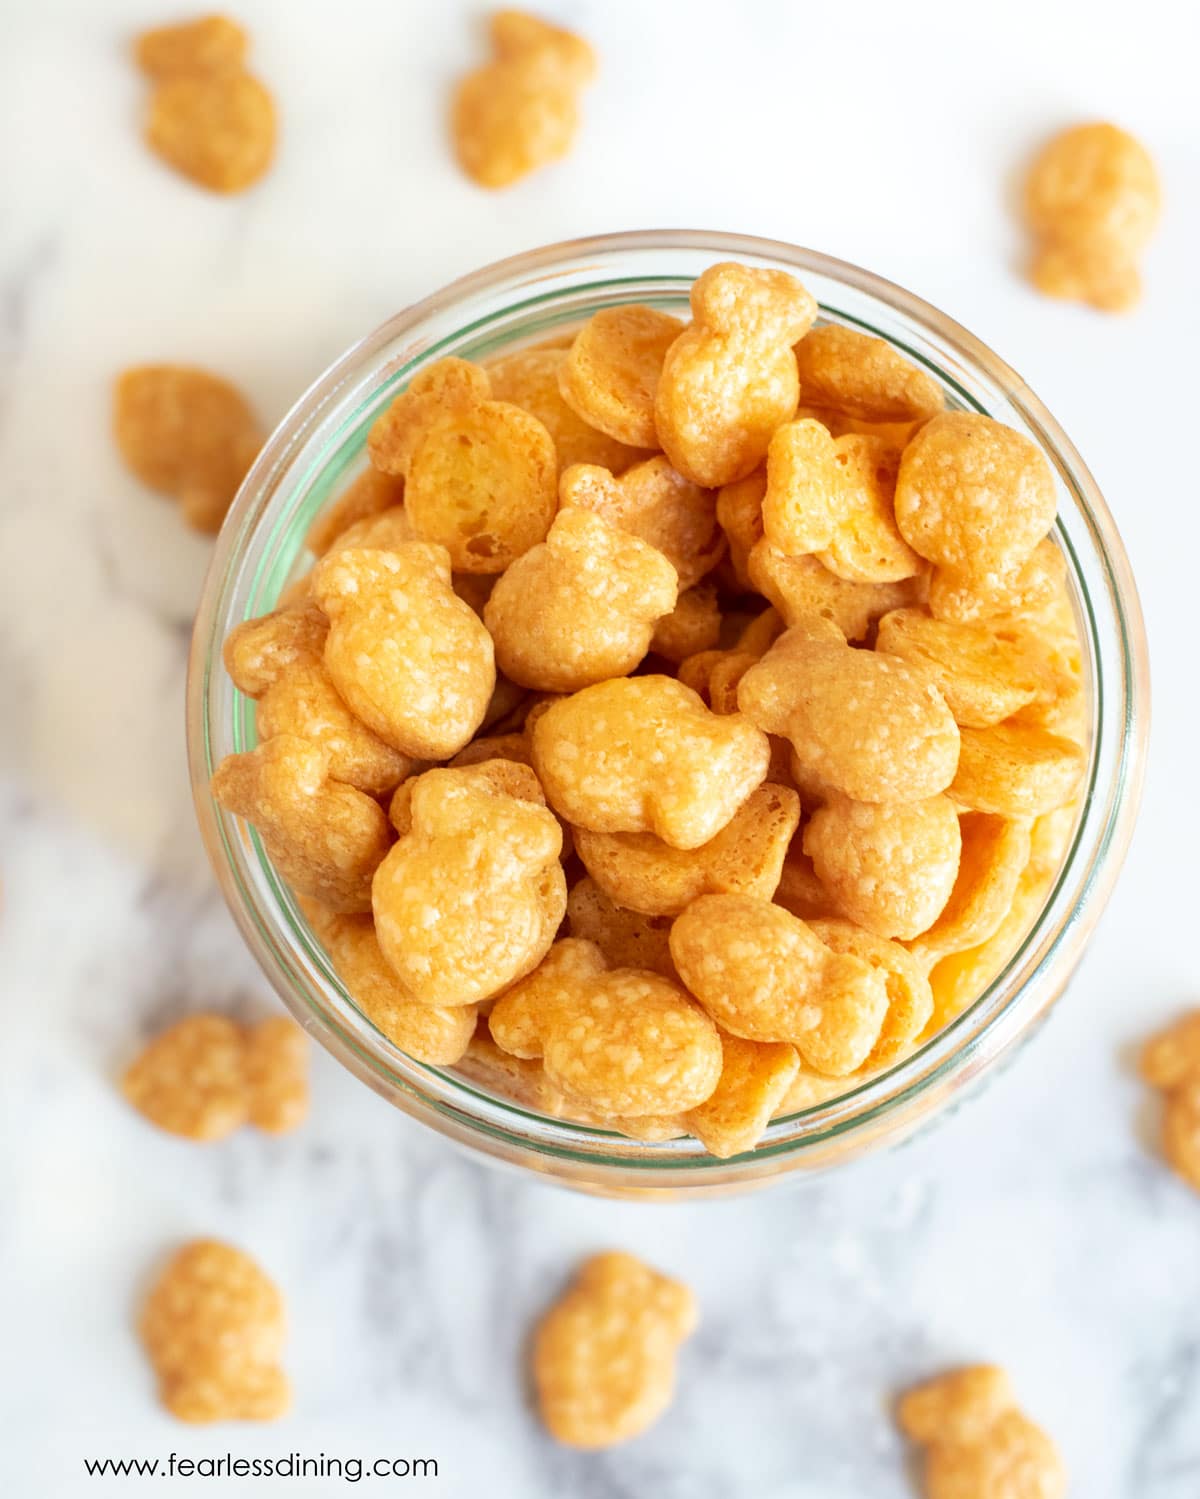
(621, 714)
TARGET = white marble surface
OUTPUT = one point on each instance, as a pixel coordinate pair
(1034, 1228)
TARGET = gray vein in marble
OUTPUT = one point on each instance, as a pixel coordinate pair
(1167, 1447)
(28, 270)
(132, 585)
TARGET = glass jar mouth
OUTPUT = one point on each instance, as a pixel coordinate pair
(525, 299)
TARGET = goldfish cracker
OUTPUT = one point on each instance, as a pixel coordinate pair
(1084, 274)
(961, 977)
(977, 1443)
(471, 895)
(800, 509)
(539, 707)
(623, 1042)
(740, 515)
(835, 498)
(190, 1080)
(1028, 590)
(641, 873)
(436, 1035)
(755, 1077)
(761, 633)
(325, 839)
(814, 790)
(1050, 836)
(516, 33)
(779, 768)
(1170, 1061)
(865, 724)
(187, 434)
(1093, 200)
(580, 607)
(1014, 1446)
(995, 850)
(864, 377)
(627, 939)
(729, 379)
(957, 1407)
(1063, 713)
(496, 775)
(409, 658)
(1172, 1056)
(800, 890)
(653, 502)
(974, 498)
(207, 45)
(371, 493)
(387, 531)
(762, 975)
(213, 1328)
(890, 868)
(1181, 1132)
(517, 749)
(648, 1129)
(514, 1079)
(910, 998)
(723, 679)
(437, 396)
(507, 700)
(644, 755)
(1016, 771)
(651, 1130)
(1046, 631)
(693, 625)
(696, 671)
(1041, 587)
(866, 545)
(276, 1067)
(217, 127)
(561, 341)
(611, 373)
(514, 747)
(958, 981)
(840, 423)
(209, 118)
(529, 378)
(809, 1090)
(296, 696)
(802, 586)
(295, 594)
(516, 720)
(604, 1354)
(475, 589)
(853, 1011)
(480, 475)
(520, 111)
(715, 675)
(259, 651)
(983, 677)
(206, 1076)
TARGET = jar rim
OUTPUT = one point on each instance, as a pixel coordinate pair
(306, 456)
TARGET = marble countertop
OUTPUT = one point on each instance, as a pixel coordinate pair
(1033, 1228)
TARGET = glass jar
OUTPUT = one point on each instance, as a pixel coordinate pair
(531, 298)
